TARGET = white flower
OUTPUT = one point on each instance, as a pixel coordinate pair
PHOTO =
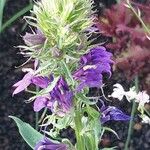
(130, 95)
(118, 92)
(142, 98)
(145, 119)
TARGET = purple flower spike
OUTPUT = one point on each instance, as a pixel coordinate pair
(34, 39)
(23, 84)
(93, 64)
(46, 144)
(112, 113)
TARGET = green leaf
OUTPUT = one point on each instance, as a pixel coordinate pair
(67, 73)
(85, 99)
(29, 134)
(16, 16)
(93, 112)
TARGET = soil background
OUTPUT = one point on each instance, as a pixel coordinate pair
(9, 74)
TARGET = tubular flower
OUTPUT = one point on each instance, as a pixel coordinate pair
(42, 82)
(112, 113)
(46, 144)
(62, 96)
(23, 84)
(59, 98)
(93, 64)
(30, 78)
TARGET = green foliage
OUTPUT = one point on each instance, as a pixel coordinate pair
(29, 134)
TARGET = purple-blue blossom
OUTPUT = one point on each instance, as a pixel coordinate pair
(92, 66)
(60, 97)
(30, 78)
(46, 144)
(109, 113)
(41, 81)
(23, 84)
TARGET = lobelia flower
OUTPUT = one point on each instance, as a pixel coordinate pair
(93, 64)
(42, 102)
(41, 81)
(46, 144)
(59, 98)
(62, 96)
(31, 78)
(24, 83)
(112, 113)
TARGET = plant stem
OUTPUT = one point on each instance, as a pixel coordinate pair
(132, 116)
(36, 120)
(36, 114)
(78, 128)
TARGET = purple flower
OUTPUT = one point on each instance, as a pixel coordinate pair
(46, 144)
(23, 84)
(112, 113)
(41, 81)
(34, 39)
(29, 78)
(60, 95)
(93, 64)
(42, 102)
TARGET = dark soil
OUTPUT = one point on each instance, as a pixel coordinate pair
(9, 74)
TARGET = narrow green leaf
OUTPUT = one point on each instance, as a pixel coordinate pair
(16, 16)
(67, 72)
(2, 5)
(29, 134)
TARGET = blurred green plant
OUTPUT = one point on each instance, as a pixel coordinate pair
(138, 15)
(14, 17)
(2, 5)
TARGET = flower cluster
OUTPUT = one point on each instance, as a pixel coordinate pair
(66, 65)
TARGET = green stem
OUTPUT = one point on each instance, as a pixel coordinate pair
(134, 106)
(36, 120)
(78, 128)
(36, 114)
